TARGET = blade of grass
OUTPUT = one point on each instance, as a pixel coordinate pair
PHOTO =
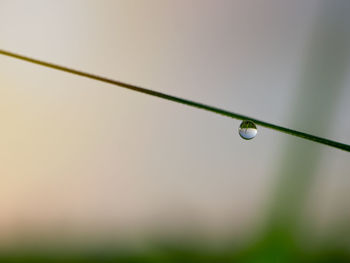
(191, 103)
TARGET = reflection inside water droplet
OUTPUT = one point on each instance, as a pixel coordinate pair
(247, 130)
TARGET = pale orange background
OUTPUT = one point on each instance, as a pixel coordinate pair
(79, 158)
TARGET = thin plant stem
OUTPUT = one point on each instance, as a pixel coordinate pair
(191, 103)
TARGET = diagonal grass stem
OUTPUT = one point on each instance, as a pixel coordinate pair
(187, 102)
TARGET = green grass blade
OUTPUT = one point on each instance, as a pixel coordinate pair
(306, 136)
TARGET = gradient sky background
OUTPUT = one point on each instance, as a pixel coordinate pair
(82, 158)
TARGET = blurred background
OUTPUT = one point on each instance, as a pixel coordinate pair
(93, 172)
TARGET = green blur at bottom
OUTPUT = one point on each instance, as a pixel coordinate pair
(272, 248)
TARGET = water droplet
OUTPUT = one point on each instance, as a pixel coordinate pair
(247, 130)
